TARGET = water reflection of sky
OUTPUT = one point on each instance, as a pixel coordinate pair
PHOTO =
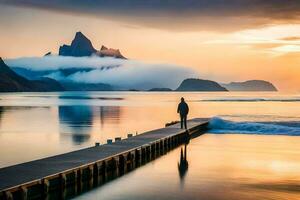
(78, 121)
(217, 167)
(44, 124)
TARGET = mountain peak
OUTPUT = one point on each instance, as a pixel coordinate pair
(3, 66)
(82, 46)
(80, 36)
(79, 33)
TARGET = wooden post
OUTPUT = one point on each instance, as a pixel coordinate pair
(91, 175)
(137, 157)
(2, 195)
(79, 180)
(144, 154)
(166, 144)
(122, 164)
(102, 172)
(46, 187)
(176, 140)
(96, 174)
(128, 162)
(153, 150)
(133, 154)
(9, 195)
(148, 151)
(115, 161)
(24, 191)
(105, 170)
(173, 142)
(158, 148)
(169, 143)
(63, 181)
(161, 147)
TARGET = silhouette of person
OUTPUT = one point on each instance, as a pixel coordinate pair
(183, 110)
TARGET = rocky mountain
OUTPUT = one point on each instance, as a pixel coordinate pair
(82, 46)
(251, 85)
(200, 85)
(104, 51)
(12, 82)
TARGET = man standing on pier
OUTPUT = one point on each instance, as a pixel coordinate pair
(183, 110)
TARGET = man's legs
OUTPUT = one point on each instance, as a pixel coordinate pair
(181, 121)
(184, 118)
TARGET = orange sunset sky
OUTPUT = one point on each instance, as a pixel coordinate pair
(233, 41)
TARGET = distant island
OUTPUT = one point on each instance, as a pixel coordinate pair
(160, 90)
(251, 85)
(200, 85)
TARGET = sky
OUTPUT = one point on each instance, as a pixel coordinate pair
(232, 40)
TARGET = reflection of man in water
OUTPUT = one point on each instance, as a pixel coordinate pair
(183, 110)
(183, 164)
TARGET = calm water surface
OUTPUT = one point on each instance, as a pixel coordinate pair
(236, 160)
(220, 167)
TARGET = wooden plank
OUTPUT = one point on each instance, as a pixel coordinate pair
(36, 170)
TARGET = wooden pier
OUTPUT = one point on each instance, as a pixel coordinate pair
(69, 174)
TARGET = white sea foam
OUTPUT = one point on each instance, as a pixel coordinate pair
(219, 125)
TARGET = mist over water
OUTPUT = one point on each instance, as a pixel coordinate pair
(113, 71)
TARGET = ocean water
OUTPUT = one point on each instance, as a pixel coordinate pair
(252, 149)
(220, 167)
(36, 125)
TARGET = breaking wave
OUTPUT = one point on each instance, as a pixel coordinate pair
(219, 125)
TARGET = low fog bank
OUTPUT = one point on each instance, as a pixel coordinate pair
(63, 62)
(118, 72)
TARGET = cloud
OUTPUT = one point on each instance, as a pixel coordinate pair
(287, 49)
(64, 62)
(291, 38)
(118, 72)
(218, 15)
(275, 40)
